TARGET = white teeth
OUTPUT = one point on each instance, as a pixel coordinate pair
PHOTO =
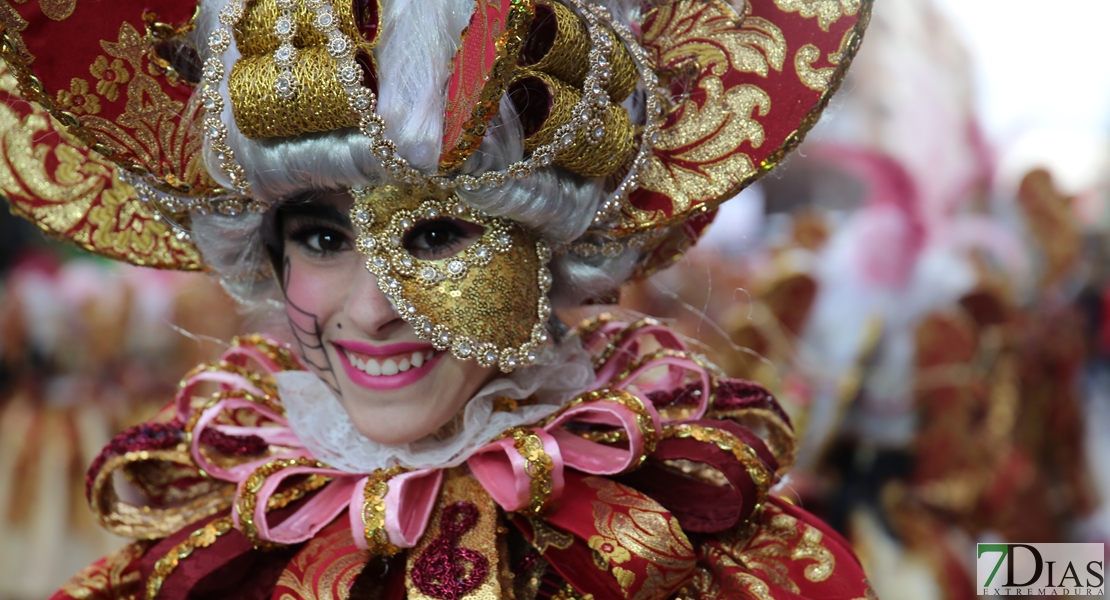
(389, 367)
(372, 367)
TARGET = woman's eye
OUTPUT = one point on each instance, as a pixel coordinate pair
(325, 242)
(321, 241)
(441, 238)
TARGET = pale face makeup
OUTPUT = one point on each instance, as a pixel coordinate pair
(395, 387)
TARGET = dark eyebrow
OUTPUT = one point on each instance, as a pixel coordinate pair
(317, 211)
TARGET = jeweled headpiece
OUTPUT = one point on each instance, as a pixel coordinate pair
(677, 113)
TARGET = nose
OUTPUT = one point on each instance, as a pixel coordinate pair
(369, 309)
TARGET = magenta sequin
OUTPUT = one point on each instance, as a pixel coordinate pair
(734, 394)
(440, 572)
(233, 445)
(147, 436)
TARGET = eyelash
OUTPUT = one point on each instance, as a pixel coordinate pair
(301, 232)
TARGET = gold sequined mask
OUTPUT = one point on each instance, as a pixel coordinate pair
(488, 302)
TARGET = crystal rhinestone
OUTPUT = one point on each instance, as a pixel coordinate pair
(337, 47)
(456, 267)
(603, 100)
(460, 209)
(431, 213)
(209, 103)
(406, 262)
(361, 102)
(491, 356)
(511, 362)
(367, 243)
(492, 179)
(284, 54)
(427, 328)
(324, 19)
(543, 157)
(444, 338)
(567, 139)
(410, 309)
(406, 223)
(284, 26)
(481, 253)
(385, 149)
(394, 240)
(543, 337)
(372, 125)
(464, 349)
(230, 14)
(429, 273)
(362, 216)
(530, 357)
(231, 208)
(283, 86)
(348, 74)
(378, 262)
(545, 278)
(213, 69)
(219, 40)
(599, 132)
(504, 239)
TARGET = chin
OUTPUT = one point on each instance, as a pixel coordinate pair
(400, 416)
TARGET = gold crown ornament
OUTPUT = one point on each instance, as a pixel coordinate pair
(720, 96)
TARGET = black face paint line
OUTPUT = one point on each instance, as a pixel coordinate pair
(310, 342)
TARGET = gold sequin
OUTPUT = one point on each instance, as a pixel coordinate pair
(488, 302)
(201, 538)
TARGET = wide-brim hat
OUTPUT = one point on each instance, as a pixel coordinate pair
(103, 115)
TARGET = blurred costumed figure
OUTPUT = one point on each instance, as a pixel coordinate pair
(86, 350)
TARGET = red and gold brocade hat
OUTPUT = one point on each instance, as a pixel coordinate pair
(732, 92)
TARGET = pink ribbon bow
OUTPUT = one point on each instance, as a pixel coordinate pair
(522, 471)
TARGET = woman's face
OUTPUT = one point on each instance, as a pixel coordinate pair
(396, 387)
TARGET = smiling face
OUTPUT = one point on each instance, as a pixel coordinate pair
(395, 387)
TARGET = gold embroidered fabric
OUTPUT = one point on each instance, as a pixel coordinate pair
(74, 194)
(645, 531)
(826, 11)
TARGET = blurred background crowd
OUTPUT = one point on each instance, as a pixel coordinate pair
(925, 286)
